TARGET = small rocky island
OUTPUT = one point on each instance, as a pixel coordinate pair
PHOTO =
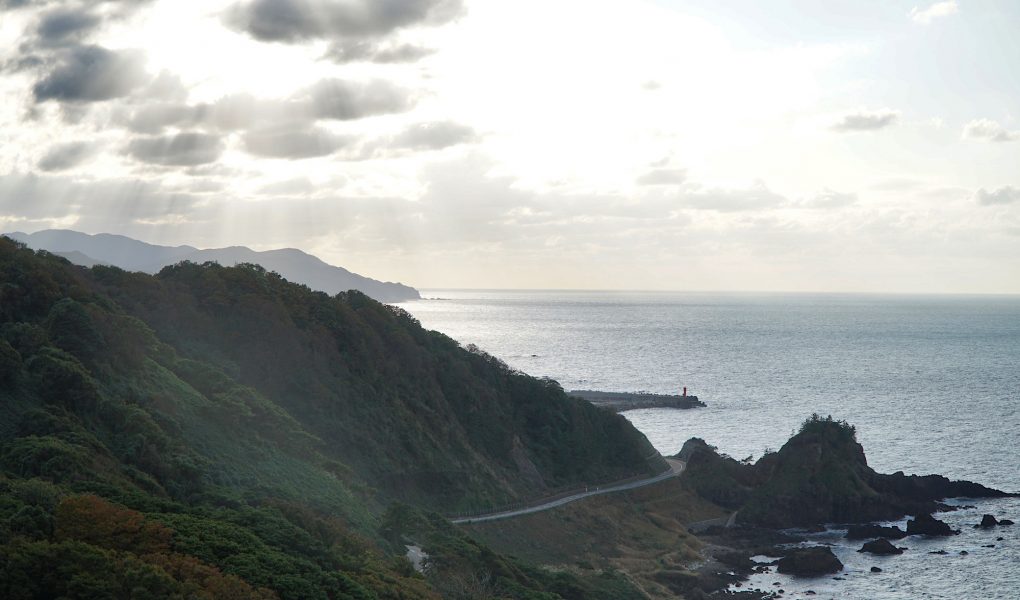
(820, 476)
(621, 401)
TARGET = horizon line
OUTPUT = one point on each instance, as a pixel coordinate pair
(706, 291)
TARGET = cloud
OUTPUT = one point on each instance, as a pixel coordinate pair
(329, 99)
(434, 136)
(663, 176)
(866, 120)
(757, 197)
(92, 74)
(350, 51)
(65, 156)
(935, 11)
(106, 205)
(345, 100)
(182, 149)
(900, 184)
(828, 199)
(303, 20)
(986, 129)
(1001, 196)
(63, 24)
(154, 117)
(294, 143)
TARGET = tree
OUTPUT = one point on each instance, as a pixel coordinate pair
(10, 362)
(71, 328)
(61, 379)
(91, 519)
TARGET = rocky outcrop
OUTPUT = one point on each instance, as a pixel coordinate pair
(880, 546)
(989, 521)
(863, 532)
(927, 488)
(924, 524)
(820, 475)
(810, 562)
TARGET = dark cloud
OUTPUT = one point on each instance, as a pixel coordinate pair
(293, 143)
(866, 121)
(63, 24)
(350, 51)
(65, 156)
(183, 149)
(346, 100)
(663, 177)
(302, 20)
(17, 3)
(1001, 196)
(434, 136)
(92, 74)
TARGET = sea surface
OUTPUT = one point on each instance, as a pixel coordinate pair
(932, 384)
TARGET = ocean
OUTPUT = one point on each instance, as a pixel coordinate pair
(932, 384)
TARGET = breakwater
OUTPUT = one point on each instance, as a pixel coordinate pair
(621, 401)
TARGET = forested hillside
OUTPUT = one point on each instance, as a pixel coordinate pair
(220, 432)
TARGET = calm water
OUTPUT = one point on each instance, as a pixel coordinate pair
(932, 384)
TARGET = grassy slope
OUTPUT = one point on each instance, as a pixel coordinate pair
(641, 534)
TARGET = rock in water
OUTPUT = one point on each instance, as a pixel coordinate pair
(808, 562)
(880, 546)
(863, 532)
(876, 570)
(987, 521)
(928, 525)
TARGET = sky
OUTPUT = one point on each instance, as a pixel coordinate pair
(780, 145)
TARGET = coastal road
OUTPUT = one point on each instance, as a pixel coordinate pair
(676, 467)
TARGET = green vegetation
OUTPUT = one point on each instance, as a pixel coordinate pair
(640, 535)
(462, 568)
(219, 432)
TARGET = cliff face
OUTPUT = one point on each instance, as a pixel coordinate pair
(819, 476)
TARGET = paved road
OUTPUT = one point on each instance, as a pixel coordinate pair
(676, 467)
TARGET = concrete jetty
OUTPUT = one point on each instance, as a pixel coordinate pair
(621, 401)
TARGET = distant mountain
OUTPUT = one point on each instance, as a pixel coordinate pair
(80, 259)
(133, 255)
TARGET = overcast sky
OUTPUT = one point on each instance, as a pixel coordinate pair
(829, 145)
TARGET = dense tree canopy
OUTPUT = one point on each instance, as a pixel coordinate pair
(216, 432)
